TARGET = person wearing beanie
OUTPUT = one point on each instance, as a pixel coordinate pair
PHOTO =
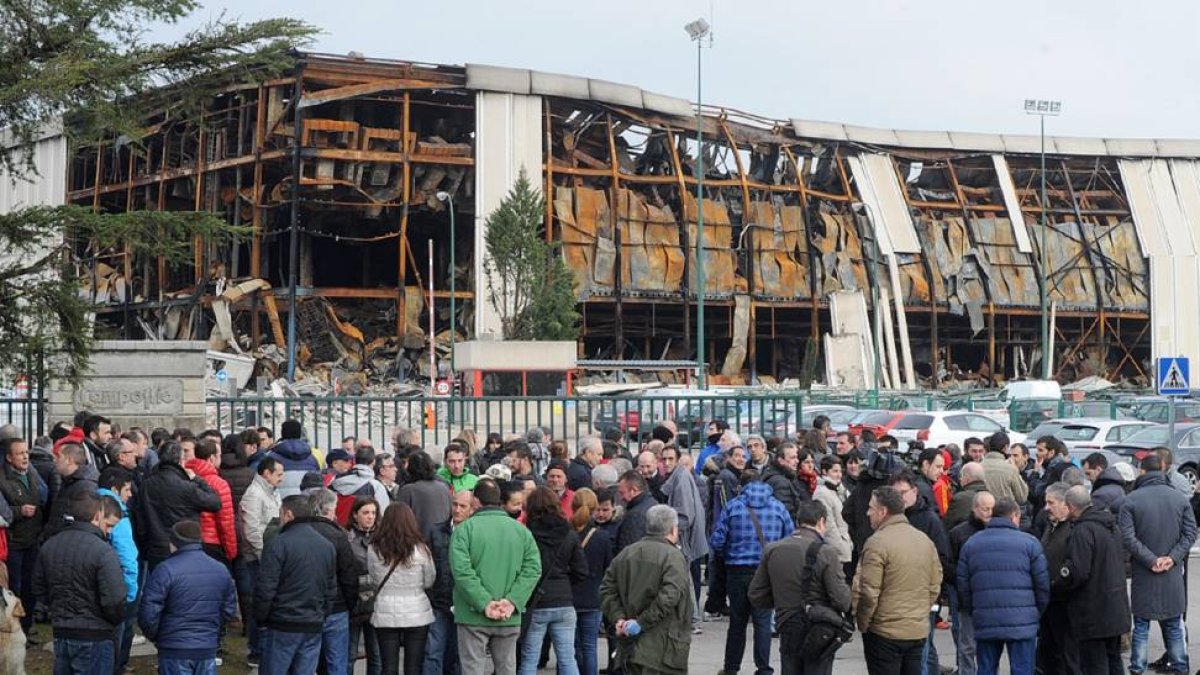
(187, 600)
(297, 458)
(556, 480)
(338, 461)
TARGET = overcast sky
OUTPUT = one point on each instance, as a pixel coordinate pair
(1122, 69)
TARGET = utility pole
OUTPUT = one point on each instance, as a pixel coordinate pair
(1043, 108)
(697, 31)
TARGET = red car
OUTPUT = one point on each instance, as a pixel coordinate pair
(879, 422)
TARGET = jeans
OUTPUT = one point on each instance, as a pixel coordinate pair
(963, 630)
(892, 657)
(187, 666)
(737, 585)
(697, 609)
(335, 644)
(245, 575)
(83, 657)
(715, 603)
(480, 645)
(413, 641)
(560, 623)
(1174, 636)
(365, 631)
(1101, 656)
(1021, 656)
(124, 639)
(790, 663)
(587, 635)
(441, 650)
(20, 581)
(286, 653)
(929, 655)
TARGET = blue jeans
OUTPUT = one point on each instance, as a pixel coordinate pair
(963, 631)
(1021, 656)
(737, 586)
(245, 575)
(1173, 635)
(187, 666)
(441, 646)
(929, 655)
(335, 644)
(365, 631)
(587, 631)
(286, 653)
(83, 657)
(560, 623)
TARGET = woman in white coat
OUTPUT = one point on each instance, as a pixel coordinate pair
(832, 494)
(401, 567)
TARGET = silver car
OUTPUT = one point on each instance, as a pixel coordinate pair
(1088, 433)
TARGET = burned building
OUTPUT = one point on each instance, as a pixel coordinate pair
(835, 253)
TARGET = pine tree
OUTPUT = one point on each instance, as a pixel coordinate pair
(529, 285)
(90, 69)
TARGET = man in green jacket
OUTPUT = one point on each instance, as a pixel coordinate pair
(454, 469)
(646, 596)
(495, 564)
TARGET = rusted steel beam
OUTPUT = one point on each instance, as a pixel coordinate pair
(172, 174)
(324, 96)
(406, 191)
(685, 241)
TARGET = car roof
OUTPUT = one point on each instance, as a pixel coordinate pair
(1094, 420)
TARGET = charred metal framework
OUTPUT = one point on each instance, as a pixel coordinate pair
(348, 153)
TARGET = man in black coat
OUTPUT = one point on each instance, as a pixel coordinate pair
(635, 493)
(1108, 487)
(579, 471)
(170, 494)
(961, 625)
(78, 577)
(1058, 650)
(780, 476)
(78, 477)
(923, 516)
(335, 635)
(1094, 579)
(295, 592)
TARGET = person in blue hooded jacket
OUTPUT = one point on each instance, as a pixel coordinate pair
(1004, 585)
(115, 489)
(296, 456)
(186, 601)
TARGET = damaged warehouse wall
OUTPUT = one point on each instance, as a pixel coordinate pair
(931, 239)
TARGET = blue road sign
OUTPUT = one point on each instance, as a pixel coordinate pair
(222, 375)
(1173, 376)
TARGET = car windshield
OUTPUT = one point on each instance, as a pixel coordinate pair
(1155, 435)
(879, 418)
(1047, 429)
(1078, 432)
(914, 422)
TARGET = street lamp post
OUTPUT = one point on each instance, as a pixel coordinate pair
(1043, 109)
(697, 31)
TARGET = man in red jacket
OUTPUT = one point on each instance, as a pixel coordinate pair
(217, 530)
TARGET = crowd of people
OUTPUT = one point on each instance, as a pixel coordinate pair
(488, 556)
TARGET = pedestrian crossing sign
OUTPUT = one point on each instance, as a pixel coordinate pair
(1173, 376)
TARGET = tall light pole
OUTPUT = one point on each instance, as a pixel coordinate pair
(449, 200)
(1044, 108)
(697, 31)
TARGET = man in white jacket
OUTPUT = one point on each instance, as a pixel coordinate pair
(362, 475)
(832, 494)
(259, 506)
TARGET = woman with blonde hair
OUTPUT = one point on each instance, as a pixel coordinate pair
(469, 440)
(597, 545)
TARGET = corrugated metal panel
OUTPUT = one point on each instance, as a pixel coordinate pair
(1186, 176)
(831, 131)
(668, 105)
(1080, 146)
(1027, 144)
(565, 86)
(617, 94)
(872, 135)
(1131, 147)
(498, 79)
(848, 314)
(1135, 174)
(1172, 147)
(1009, 190)
(508, 130)
(48, 187)
(1178, 234)
(875, 176)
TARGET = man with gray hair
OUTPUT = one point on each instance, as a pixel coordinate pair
(1058, 651)
(579, 471)
(645, 596)
(603, 477)
(335, 634)
(536, 438)
(1093, 577)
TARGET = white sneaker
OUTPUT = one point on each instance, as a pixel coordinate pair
(220, 661)
(139, 639)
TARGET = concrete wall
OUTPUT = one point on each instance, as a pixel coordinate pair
(142, 383)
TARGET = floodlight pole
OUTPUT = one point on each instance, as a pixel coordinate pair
(698, 30)
(1045, 265)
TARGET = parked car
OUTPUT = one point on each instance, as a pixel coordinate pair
(879, 422)
(1090, 433)
(1158, 410)
(939, 427)
(1185, 445)
(761, 416)
(1077, 456)
(839, 416)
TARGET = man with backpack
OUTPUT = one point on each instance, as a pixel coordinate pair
(806, 605)
(359, 482)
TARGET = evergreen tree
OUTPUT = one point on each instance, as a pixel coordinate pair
(529, 285)
(90, 69)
